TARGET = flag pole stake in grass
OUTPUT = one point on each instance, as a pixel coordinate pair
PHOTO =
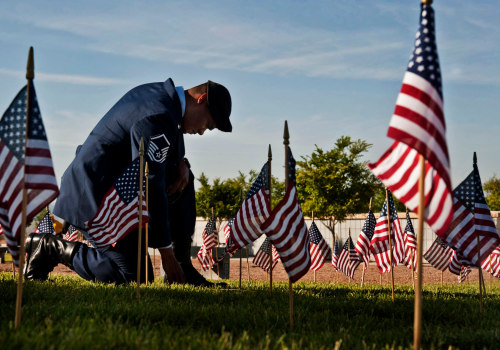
(390, 243)
(30, 75)
(417, 317)
(286, 142)
(241, 250)
(139, 235)
(146, 174)
(269, 181)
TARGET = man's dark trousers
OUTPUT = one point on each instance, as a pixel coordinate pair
(118, 264)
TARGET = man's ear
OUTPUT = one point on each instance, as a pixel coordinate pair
(202, 98)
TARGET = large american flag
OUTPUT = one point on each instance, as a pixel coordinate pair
(363, 243)
(261, 258)
(471, 219)
(39, 178)
(118, 213)
(336, 252)
(439, 254)
(45, 225)
(318, 248)
(72, 234)
(410, 243)
(254, 211)
(348, 259)
(418, 126)
(379, 244)
(210, 240)
(287, 230)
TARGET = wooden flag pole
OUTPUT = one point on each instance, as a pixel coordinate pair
(481, 282)
(490, 274)
(364, 265)
(146, 174)
(270, 183)
(241, 250)
(480, 276)
(417, 314)
(217, 245)
(312, 216)
(391, 259)
(248, 265)
(30, 75)
(139, 235)
(286, 142)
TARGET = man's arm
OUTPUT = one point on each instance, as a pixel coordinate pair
(171, 267)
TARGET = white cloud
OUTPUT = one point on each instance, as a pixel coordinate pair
(66, 78)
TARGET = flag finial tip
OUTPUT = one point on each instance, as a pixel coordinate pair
(30, 66)
(427, 2)
(474, 158)
(269, 153)
(286, 135)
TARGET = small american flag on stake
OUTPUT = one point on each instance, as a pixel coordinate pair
(118, 213)
(39, 178)
(418, 127)
(337, 247)
(318, 248)
(439, 254)
(471, 219)
(410, 243)
(363, 243)
(72, 234)
(261, 259)
(287, 230)
(210, 240)
(253, 212)
(46, 225)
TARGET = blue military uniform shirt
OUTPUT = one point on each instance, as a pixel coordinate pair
(152, 111)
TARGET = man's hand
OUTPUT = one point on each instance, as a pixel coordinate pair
(181, 179)
(171, 267)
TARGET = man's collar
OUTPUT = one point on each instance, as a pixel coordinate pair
(182, 98)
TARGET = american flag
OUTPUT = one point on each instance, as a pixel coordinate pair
(464, 272)
(471, 219)
(439, 254)
(418, 126)
(39, 178)
(492, 264)
(287, 230)
(363, 243)
(348, 259)
(72, 234)
(379, 244)
(118, 213)
(410, 243)
(254, 211)
(45, 225)
(317, 248)
(261, 259)
(457, 261)
(210, 240)
(336, 252)
(227, 231)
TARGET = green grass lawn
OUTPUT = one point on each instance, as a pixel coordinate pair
(72, 313)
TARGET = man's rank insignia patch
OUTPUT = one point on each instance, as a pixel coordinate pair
(158, 148)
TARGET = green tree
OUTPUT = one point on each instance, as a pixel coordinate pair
(225, 196)
(492, 192)
(335, 183)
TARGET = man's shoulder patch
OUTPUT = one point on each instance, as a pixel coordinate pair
(158, 148)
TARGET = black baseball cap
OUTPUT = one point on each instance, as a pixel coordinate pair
(219, 104)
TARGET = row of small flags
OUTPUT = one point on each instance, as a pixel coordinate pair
(373, 239)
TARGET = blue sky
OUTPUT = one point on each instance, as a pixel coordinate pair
(330, 68)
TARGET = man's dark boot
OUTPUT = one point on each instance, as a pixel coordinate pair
(44, 251)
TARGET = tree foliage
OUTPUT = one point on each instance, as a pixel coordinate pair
(336, 182)
(492, 192)
(225, 196)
